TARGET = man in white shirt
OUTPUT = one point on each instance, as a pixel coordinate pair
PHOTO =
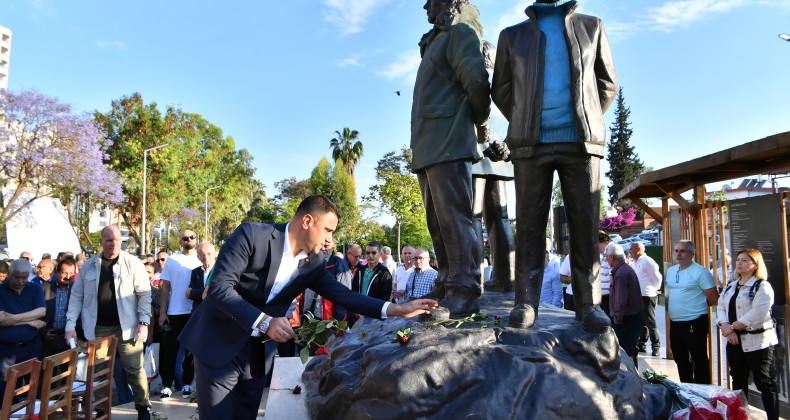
(259, 272)
(650, 282)
(386, 259)
(402, 274)
(174, 311)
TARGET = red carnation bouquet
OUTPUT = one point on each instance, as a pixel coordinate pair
(701, 402)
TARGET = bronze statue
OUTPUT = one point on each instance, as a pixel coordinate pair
(554, 78)
(451, 98)
(490, 205)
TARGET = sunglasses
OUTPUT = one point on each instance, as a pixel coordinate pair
(371, 252)
(188, 238)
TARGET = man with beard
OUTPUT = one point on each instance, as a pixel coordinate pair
(234, 333)
(174, 310)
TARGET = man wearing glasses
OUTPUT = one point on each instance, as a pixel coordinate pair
(691, 289)
(353, 259)
(175, 310)
(375, 279)
(46, 268)
(422, 278)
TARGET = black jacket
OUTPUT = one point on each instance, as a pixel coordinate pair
(517, 86)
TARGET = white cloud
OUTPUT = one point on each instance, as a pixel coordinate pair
(682, 13)
(118, 45)
(350, 15)
(405, 67)
(513, 16)
(352, 61)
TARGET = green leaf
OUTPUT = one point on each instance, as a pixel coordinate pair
(304, 354)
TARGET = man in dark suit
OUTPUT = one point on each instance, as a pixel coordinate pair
(374, 279)
(260, 270)
(207, 255)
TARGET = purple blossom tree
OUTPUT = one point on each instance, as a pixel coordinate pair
(623, 218)
(48, 151)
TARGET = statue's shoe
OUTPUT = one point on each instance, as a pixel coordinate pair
(594, 320)
(522, 316)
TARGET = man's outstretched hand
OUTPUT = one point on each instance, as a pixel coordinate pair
(497, 151)
(412, 308)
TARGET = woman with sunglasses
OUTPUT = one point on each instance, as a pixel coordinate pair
(744, 318)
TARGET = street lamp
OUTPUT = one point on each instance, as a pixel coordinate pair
(145, 189)
(786, 37)
(207, 190)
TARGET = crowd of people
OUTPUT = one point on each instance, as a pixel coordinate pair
(149, 300)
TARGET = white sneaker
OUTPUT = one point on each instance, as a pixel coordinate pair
(165, 393)
(187, 391)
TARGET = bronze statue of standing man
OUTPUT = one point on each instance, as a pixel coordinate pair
(451, 97)
(553, 80)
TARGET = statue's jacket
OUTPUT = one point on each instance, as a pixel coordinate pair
(517, 87)
(451, 93)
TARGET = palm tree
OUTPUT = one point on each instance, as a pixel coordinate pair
(346, 149)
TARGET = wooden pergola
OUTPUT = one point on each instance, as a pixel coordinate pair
(770, 155)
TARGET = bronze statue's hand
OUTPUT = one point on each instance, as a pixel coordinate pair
(497, 151)
(483, 133)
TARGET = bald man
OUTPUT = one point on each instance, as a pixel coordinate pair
(112, 294)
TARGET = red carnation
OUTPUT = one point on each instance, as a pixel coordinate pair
(497, 319)
(340, 333)
(322, 350)
(403, 339)
(297, 390)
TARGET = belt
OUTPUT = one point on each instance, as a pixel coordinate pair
(757, 331)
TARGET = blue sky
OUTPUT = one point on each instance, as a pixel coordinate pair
(281, 77)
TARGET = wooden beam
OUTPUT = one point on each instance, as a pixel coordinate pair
(682, 202)
(642, 205)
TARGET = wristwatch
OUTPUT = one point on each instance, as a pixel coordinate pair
(143, 323)
(263, 327)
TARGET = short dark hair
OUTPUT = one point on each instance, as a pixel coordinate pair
(317, 204)
(3, 267)
(376, 244)
(65, 261)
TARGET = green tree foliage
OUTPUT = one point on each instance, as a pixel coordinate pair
(291, 192)
(624, 163)
(347, 149)
(336, 184)
(199, 157)
(397, 194)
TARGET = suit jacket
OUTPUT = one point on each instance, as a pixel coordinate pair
(196, 287)
(240, 285)
(380, 286)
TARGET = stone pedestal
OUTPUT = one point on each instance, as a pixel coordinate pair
(554, 370)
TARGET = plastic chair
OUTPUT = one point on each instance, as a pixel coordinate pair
(98, 379)
(56, 388)
(25, 408)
